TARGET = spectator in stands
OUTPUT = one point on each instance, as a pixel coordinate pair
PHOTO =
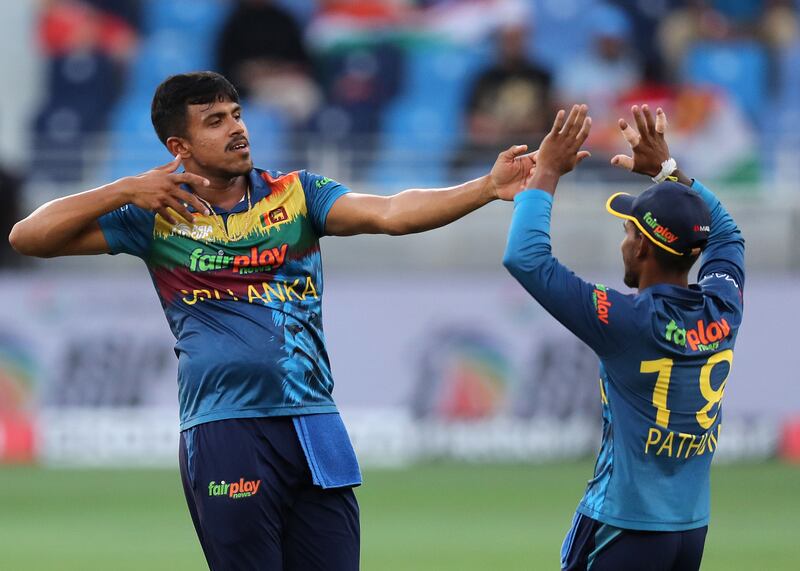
(361, 61)
(261, 49)
(509, 101)
(87, 51)
(9, 214)
(773, 22)
(608, 70)
(470, 22)
(601, 77)
(645, 16)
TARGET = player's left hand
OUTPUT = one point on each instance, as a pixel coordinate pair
(511, 170)
(647, 141)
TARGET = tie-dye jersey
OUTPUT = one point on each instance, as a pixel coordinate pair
(242, 293)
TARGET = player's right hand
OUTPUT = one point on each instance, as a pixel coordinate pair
(159, 190)
(560, 149)
(648, 145)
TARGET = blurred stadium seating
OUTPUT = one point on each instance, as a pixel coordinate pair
(420, 129)
(751, 104)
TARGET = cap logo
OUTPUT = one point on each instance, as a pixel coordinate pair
(698, 228)
(661, 232)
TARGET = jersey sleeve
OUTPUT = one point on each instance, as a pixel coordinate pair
(321, 192)
(722, 261)
(128, 230)
(600, 316)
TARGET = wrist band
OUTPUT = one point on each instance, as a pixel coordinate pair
(667, 168)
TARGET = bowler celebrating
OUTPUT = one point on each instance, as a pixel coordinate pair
(665, 352)
(234, 254)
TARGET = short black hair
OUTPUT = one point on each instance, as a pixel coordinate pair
(168, 110)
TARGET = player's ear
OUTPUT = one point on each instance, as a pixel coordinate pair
(644, 247)
(178, 146)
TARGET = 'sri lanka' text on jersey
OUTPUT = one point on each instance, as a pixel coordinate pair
(665, 355)
(241, 290)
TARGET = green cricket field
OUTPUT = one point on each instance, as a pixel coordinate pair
(433, 517)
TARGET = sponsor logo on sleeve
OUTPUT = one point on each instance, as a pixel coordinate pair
(601, 303)
(323, 181)
(722, 276)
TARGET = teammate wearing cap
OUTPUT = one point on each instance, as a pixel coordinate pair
(665, 351)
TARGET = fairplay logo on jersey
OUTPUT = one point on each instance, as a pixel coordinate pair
(705, 337)
(601, 303)
(257, 260)
(234, 490)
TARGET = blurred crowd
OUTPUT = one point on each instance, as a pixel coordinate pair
(436, 86)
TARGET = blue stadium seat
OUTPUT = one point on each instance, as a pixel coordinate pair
(425, 121)
(200, 17)
(560, 30)
(268, 133)
(133, 147)
(781, 127)
(739, 68)
(789, 74)
(179, 36)
(164, 54)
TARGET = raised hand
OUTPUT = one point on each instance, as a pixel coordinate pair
(510, 171)
(159, 190)
(560, 151)
(648, 145)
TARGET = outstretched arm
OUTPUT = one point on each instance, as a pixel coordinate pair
(68, 226)
(418, 210)
(593, 312)
(724, 251)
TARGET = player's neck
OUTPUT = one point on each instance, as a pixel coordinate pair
(223, 193)
(649, 279)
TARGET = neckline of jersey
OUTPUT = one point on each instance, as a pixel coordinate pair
(258, 189)
(691, 293)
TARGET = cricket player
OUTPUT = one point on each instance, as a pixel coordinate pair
(665, 352)
(234, 255)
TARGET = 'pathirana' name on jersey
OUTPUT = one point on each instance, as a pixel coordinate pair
(241, 290)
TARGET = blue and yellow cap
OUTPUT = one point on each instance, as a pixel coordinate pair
(670, 214)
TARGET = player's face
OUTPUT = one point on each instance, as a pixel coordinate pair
(630, 245)
(218, 138)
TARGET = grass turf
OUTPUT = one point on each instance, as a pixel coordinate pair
(434, 517)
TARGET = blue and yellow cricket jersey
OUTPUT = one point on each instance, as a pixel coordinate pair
(665, 356)
(242, 292)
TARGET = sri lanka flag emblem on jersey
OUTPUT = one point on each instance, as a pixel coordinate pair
(257, 253)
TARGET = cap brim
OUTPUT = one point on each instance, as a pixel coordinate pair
(621, 205)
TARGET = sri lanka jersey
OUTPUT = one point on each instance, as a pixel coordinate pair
(665, 355)
(242, 291)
